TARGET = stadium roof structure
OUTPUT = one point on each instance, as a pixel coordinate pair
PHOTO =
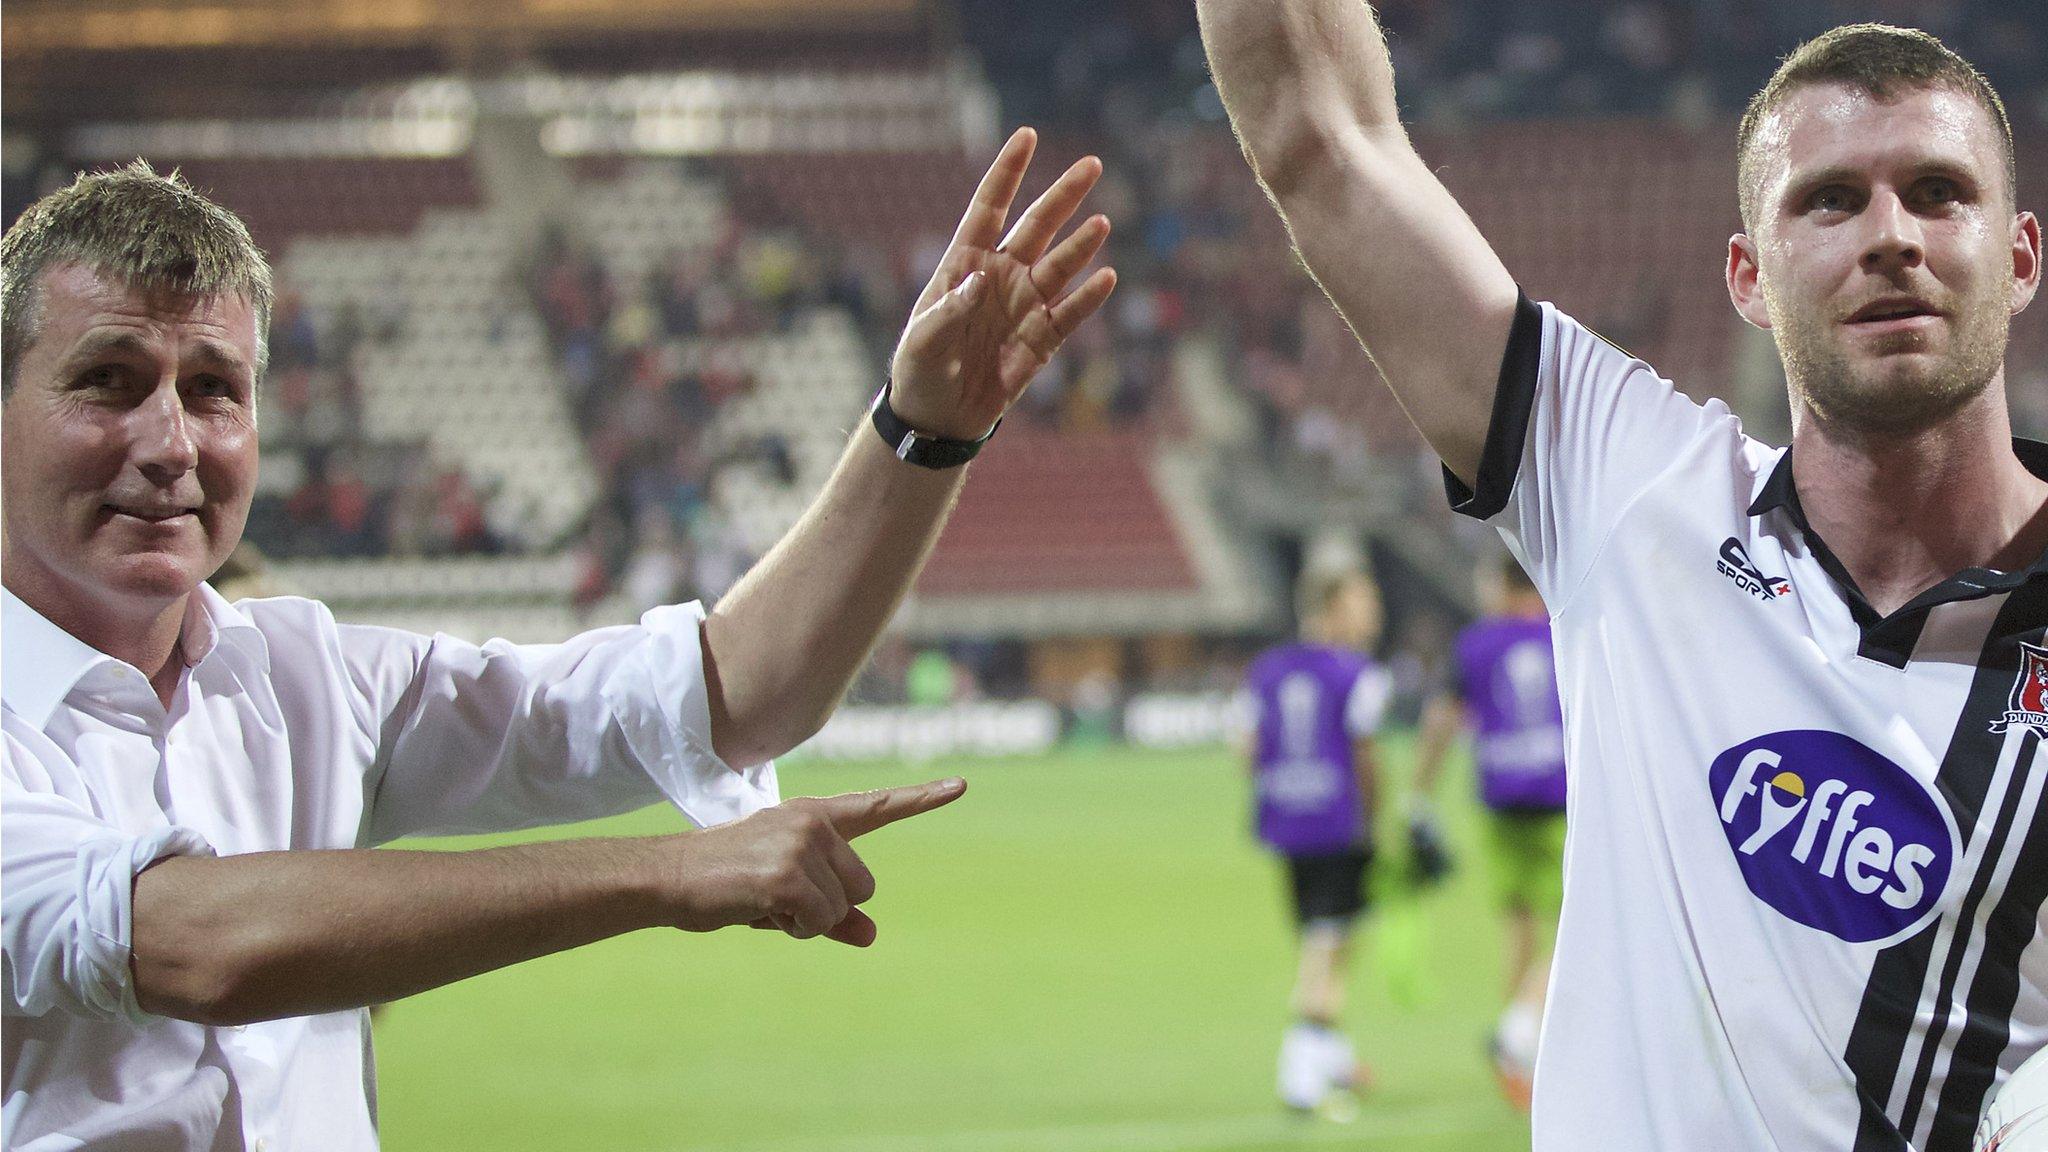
(72, 60)
(36, 26)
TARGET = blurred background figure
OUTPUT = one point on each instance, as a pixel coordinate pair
(1319, 702)
(1503, 689)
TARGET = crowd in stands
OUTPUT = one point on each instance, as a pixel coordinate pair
(650, 360)
(350, 495)
(646, 409)
(1117, 65)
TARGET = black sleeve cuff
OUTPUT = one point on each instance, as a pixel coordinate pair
(1513, 399)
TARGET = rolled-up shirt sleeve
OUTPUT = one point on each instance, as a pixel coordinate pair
(497, 736)
(67, 883)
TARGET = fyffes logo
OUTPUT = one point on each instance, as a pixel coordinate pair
(1834, 835)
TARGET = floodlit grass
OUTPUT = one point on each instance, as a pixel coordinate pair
(1087, 951)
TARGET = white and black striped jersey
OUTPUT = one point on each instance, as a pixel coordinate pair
(1807, 858)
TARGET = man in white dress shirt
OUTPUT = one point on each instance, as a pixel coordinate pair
(192, 922)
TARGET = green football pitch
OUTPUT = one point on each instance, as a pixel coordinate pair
(1087, 951)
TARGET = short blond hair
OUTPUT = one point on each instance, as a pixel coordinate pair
(131, 224)
(1881, 60)
(1320, 585)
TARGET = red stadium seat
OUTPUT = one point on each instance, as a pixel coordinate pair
(1060, 513)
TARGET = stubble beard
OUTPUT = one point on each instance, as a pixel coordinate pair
(1886, 398)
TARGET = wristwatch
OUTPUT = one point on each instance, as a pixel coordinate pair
(915, 447)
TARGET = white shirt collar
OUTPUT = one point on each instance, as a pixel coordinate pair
(210, 620)
(40, 663)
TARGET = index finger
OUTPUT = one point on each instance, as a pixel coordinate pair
(859, 813)
(982, 226)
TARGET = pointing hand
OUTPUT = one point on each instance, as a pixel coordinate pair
(792, 867)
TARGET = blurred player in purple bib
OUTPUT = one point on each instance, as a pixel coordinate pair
(1317, 704)
(1504, 689)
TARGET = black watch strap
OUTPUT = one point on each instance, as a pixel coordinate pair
(913, 446)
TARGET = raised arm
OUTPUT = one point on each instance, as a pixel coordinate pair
(1310, 92)
(782, 647)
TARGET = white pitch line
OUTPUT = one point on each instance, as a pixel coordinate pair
(1212, 1134)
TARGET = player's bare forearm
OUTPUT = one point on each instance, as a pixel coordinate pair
(785, 643)
(238, 939)
(1296, 76)
(1310, 92)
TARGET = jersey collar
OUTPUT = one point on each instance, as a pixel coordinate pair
(1891, 638)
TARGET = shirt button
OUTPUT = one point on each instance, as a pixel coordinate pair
(263, 1144)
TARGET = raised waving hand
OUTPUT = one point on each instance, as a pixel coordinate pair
(999, 306)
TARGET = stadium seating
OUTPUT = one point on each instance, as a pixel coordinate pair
(1048, 516)
(282, 199)
(1052, 512)
(1624, 223)
(893, 199)
(470, 372)
(1058, 531)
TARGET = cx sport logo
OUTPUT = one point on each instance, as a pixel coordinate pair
(1833, 835)
(1734, 564)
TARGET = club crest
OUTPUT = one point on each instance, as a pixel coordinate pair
(2027, 707)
